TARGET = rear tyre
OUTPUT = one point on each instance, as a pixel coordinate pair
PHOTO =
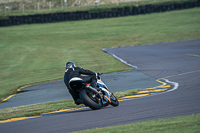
(114, 101)
(90, 99)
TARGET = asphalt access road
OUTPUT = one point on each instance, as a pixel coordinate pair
(55, 91)
(176, 61)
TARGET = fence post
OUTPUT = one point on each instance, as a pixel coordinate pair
(38, 4)
(23, 8)
(65, 1)
(61, 3)
(50, 5)
(5, 8)
(96, 2)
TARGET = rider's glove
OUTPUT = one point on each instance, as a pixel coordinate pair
(97, 74)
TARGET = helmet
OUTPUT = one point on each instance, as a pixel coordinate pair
(70, 65)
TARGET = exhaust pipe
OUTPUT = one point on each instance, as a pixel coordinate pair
(94, 90)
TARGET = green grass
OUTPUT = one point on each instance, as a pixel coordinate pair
(38, 52)
(183, 124)
(35, 109)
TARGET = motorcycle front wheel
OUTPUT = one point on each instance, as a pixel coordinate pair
(90, 99)
(114, 100)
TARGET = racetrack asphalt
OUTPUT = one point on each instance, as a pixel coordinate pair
(178, 62)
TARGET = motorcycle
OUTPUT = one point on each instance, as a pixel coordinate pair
(90, 96)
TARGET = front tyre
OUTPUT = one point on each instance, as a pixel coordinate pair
(114, 101)
(90, 99)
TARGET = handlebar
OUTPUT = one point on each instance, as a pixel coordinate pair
(98, 75)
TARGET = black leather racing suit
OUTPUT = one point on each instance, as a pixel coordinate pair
(76, 72)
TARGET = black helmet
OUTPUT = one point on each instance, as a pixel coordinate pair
(70, 65)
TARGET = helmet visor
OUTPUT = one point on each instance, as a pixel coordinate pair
(70, 65)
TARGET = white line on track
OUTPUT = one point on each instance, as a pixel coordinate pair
(135, 67)
(175, 84)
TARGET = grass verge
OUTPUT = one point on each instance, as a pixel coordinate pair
(182, 124)
(38, 109)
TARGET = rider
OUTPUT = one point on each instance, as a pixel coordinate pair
(73, 71)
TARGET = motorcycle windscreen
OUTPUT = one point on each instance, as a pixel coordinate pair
(101, 84)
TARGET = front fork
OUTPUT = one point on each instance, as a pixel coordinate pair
(107, 95)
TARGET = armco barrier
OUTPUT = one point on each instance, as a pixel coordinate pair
(86, 15)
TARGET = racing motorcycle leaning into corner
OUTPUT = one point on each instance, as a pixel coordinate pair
(90, 96)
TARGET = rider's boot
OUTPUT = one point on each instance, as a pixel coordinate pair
(78, 101)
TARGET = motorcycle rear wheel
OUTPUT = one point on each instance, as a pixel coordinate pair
(90, 100)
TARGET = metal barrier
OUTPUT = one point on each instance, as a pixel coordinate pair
(85, 15)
